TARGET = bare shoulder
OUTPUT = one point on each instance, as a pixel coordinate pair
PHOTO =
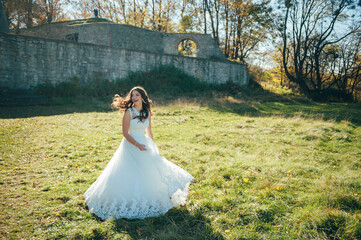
(126, 113)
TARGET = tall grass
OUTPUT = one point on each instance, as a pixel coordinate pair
(266, 166)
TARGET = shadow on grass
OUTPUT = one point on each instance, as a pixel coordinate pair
(58, 106)
(250, 102)
(82, 104)
(178, 223)
(271, 104)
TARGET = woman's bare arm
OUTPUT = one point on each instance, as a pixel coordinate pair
(148, 130)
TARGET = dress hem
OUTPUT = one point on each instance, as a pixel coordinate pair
(109, 210)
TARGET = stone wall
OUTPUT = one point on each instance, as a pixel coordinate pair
(87, 33)
(206, 46)
(130, 37)
(27, 61)
(110, 34)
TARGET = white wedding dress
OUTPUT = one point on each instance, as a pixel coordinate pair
(137, 184)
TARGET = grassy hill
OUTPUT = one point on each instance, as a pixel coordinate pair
(267, 165)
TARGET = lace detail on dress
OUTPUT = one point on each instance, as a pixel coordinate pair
(138, 207)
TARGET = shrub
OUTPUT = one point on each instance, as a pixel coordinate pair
(46, 89)
(63, 89)
(332, 95)
(162, 79)
(167, 80)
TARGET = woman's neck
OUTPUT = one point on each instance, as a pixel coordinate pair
(138, 108)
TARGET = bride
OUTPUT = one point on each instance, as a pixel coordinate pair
(137, 182)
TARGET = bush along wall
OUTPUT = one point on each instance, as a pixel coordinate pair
(165, 80)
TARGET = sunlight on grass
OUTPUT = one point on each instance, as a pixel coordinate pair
(263, 170)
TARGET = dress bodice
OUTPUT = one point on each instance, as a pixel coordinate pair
(137, 126)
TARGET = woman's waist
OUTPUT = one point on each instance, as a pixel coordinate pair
(137, 135)
(144, 139)
(137, 132)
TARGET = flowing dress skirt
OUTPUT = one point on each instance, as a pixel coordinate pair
(137, 184)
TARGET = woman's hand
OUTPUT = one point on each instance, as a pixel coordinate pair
(141, 147)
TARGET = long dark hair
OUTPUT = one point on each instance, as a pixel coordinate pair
(126, 103)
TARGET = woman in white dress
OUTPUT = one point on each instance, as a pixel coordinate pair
(137, 182)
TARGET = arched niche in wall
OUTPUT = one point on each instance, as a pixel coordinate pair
(187, 47)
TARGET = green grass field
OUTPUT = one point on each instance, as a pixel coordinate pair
(266, 167)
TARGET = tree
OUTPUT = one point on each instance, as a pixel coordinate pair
(252, 26)
(20, 13)
(308, 28)
(188, 13)
(344, 65)
(237, 26)
(213, 9)
(155, 15)
(162, 12)
(277, 58)
(50, 11)
(27, 13)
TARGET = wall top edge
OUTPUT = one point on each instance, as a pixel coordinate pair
(15, 36)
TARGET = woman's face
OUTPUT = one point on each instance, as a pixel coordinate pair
(136, 98)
